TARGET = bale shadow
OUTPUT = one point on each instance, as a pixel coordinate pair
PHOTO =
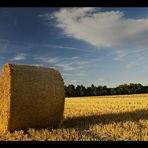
(84, 122)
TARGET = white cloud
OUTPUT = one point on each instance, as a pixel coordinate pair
(66, 66)
(18, 57)
(38, 65)
(13, 45)
(72, 58)
(120, 54)
(101, 80)
(68, 82)
(75, 64)
(101, 28)
(67, 74)
(66, 47)
(132, 65)
(80, 74)
(46, 59)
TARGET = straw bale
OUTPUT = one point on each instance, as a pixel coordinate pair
(32, 97)
(0, 92)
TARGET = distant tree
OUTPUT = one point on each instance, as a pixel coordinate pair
(99, 90)
(80, 90)
(113, 91)
(145, 89)
(135, 88)
(122, 89)
(105, 90)
(89, 91)
(94, 90)
(70, 90)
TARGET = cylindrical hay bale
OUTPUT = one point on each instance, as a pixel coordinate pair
(32, 97)
(0, 92)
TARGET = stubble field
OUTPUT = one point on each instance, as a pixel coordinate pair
(103, 118)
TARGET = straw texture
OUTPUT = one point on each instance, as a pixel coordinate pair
(32, 97)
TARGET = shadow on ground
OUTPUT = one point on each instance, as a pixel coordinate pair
(84, 122)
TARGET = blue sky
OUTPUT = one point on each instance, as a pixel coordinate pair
(101, 46)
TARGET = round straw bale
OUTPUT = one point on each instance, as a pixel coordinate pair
(0, 92)
(32, 97)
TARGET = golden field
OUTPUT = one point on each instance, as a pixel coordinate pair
(123, 117)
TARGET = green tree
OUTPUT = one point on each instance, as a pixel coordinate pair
(70, 90)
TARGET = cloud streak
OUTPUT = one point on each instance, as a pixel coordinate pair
(120, 55)
(132, 65)
(68, 82)
(12, 44)
(69, 67)
(47, 59)
(19, 56)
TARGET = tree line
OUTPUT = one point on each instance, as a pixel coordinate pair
(80, 90)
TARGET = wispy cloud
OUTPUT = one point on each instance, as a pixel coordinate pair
(101, 80)
(46, 59)
(2, 58)
(68, 82)
(120, 54)
(66, 66)
(81, 74)
(98, 28)
(19, 56)
(67, 74)
(66, 47)
(132, 65)
(70, 74)
(9, 17)
(37, 64)
(72, 58)
(75, 65)
(70, 66)
(13, 44)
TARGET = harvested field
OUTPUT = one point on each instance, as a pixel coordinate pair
(123, 117)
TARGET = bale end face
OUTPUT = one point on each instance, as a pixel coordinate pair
(5, 95)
